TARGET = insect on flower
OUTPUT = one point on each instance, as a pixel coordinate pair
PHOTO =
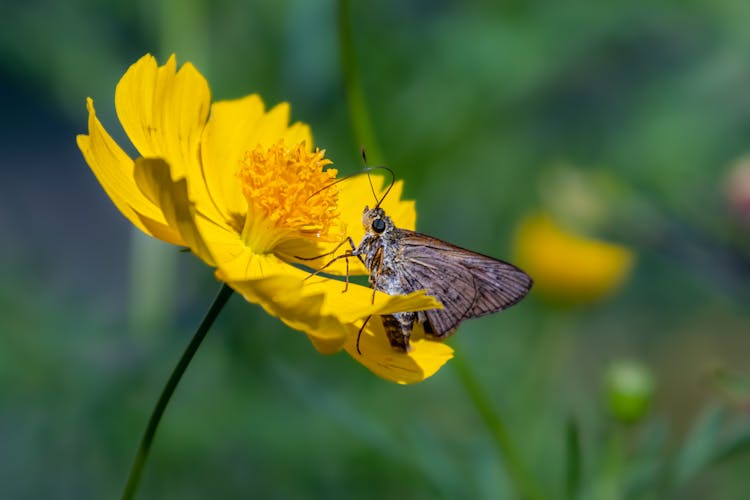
(401, 261)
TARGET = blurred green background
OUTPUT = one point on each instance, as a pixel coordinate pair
(476, 105)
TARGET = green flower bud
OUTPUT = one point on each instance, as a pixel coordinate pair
(628, 388)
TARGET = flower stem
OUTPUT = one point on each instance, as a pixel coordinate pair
(520, 478)
(358, 112)
(131, 487)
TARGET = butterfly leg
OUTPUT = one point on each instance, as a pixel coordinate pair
(359, 334)
(348, 239)
(398, 327)
(376, 267)
(352, 253)
(346, 255)
(318, 271)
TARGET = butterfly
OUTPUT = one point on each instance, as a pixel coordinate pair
(468, 284)
(401, 261)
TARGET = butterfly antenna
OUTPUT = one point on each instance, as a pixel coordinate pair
(332, 184)
(390, 186)
(368, 169)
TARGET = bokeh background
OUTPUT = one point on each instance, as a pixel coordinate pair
(624, 122)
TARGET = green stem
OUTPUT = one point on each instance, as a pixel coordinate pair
(131, 487)
(523, 483)
(358, 112)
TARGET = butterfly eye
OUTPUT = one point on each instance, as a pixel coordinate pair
(378, 225)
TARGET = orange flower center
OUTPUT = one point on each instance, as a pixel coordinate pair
(289, 195)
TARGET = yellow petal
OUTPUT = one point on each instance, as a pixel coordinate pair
(313, 304)
(280, 296)
(164, 112)
(299, 132)
(155, 181)
(138, 92)
(225, 140)
(225, 245)
(357, 302)
(271, 127)
(402, 212)
(114, 171)
(424, 360)
(235, 260)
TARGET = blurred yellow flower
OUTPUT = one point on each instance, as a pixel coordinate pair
(248, 194)
(568, 268)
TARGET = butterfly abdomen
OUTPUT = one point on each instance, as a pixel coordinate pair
(398, 327)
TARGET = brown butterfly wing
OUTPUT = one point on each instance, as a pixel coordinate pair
(468, 284)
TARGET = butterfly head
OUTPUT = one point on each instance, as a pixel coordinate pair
(375, 221)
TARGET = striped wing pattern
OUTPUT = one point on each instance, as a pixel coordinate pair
(468, 284)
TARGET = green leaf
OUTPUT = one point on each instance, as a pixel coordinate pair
(735, 445)
(701, 446)
(647, 462)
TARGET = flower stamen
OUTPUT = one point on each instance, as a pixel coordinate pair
(279, 184)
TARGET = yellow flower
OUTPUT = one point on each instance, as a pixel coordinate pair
(248, 194)
(568, 268)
